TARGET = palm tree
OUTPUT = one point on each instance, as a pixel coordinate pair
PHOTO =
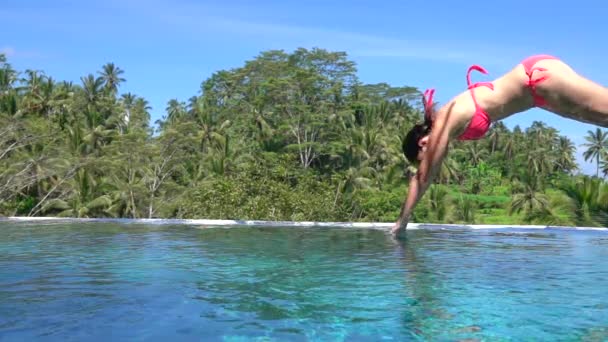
(475, 152)
(85, 200)
(352, 180)
(175, 110)
(465, 209)
(597, 144)
(32, 81)
(223, 157)
(128, 101)
(110, 75)
(509, 146)
(92, 88)
(538, 161)
(140, 116)
(194, 106)
(498, 130)
(450, 170)
(264, 134)
(604, 163)
(8, 93)
(7, 74)
(589, 198)
(564, 155)
(439, 201)
(529, 197)
(537, 129)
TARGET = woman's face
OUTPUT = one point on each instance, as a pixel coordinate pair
(423, 143)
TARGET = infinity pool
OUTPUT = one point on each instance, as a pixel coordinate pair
(123, 281)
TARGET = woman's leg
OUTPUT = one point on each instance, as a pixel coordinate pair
(571, 95)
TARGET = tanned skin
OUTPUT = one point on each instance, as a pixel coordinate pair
(567, 93)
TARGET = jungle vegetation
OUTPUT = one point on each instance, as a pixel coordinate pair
(286, 136)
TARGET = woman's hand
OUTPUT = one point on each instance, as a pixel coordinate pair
(399, 228)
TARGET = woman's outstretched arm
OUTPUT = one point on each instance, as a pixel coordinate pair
(430, 165)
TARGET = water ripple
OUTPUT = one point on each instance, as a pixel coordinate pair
(112, 280)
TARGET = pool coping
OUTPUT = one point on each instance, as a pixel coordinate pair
(257, 223)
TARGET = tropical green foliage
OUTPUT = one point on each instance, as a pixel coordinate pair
(287, 136)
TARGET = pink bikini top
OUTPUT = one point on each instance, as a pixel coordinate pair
(480, 122)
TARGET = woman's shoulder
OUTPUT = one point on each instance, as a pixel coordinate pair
(457, 113)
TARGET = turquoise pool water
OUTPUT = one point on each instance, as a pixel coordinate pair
(119, 281)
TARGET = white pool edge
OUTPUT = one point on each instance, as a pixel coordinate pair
(256, 223)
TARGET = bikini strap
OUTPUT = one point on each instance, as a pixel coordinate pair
(532, 82)
(478, 84)
(538, 100)
(427, 102)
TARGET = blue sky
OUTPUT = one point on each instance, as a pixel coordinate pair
(167, 48)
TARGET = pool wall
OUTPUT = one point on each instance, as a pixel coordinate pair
(253, 223)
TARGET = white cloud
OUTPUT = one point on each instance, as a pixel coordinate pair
(12, 53)
(355, 43)
(258, 25)
(227, 22)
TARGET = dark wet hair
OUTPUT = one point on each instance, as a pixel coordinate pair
(410, 145)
